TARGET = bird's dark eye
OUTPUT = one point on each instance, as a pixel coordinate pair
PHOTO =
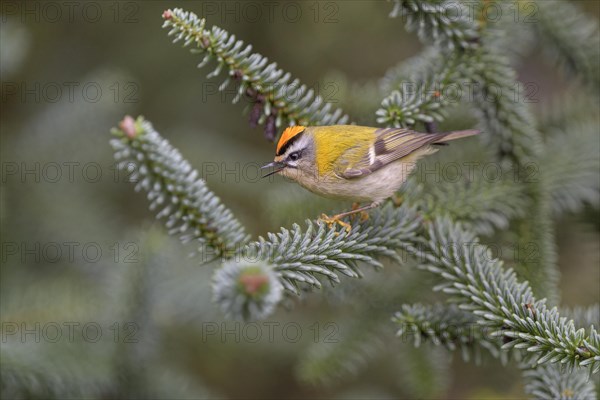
(294, 156)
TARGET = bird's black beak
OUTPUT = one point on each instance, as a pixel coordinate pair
(278, 165)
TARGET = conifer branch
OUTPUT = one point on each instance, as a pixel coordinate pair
(484, 206)
(500, 301)
(192, 210)
(509, 31)
(301, 256)
(446, 23)
(251, 284)
(424, 96)
(504, 116)
(552, 382)
(567, 169)
(571, 163)
(493, 295)
(511, 131)
(247, 289)
(399, 74)
(447, 326)
(278, 100)
(484, 78)
(572, 38)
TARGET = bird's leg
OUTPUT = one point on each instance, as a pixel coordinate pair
(355, 206)
(337, 218)
(363, 214)
(357, 210)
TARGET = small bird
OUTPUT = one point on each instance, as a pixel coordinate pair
(350, 162)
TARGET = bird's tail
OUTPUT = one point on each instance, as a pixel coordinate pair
(448, 136)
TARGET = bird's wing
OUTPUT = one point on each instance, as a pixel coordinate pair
(390, 144)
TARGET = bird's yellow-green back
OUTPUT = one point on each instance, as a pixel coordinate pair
(333, 141)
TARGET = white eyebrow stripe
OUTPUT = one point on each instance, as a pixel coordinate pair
(296, 146)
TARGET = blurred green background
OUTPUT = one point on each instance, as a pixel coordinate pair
(80, 247)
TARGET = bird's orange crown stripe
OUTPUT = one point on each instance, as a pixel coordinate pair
(288, 134)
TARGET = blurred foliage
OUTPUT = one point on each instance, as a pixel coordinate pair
(161, 336)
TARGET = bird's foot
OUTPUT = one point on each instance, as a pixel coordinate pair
(354, 212)
(336, 219)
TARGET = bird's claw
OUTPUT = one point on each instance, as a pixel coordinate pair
(335, 220)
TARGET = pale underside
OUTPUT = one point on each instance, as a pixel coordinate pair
(373, 187)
